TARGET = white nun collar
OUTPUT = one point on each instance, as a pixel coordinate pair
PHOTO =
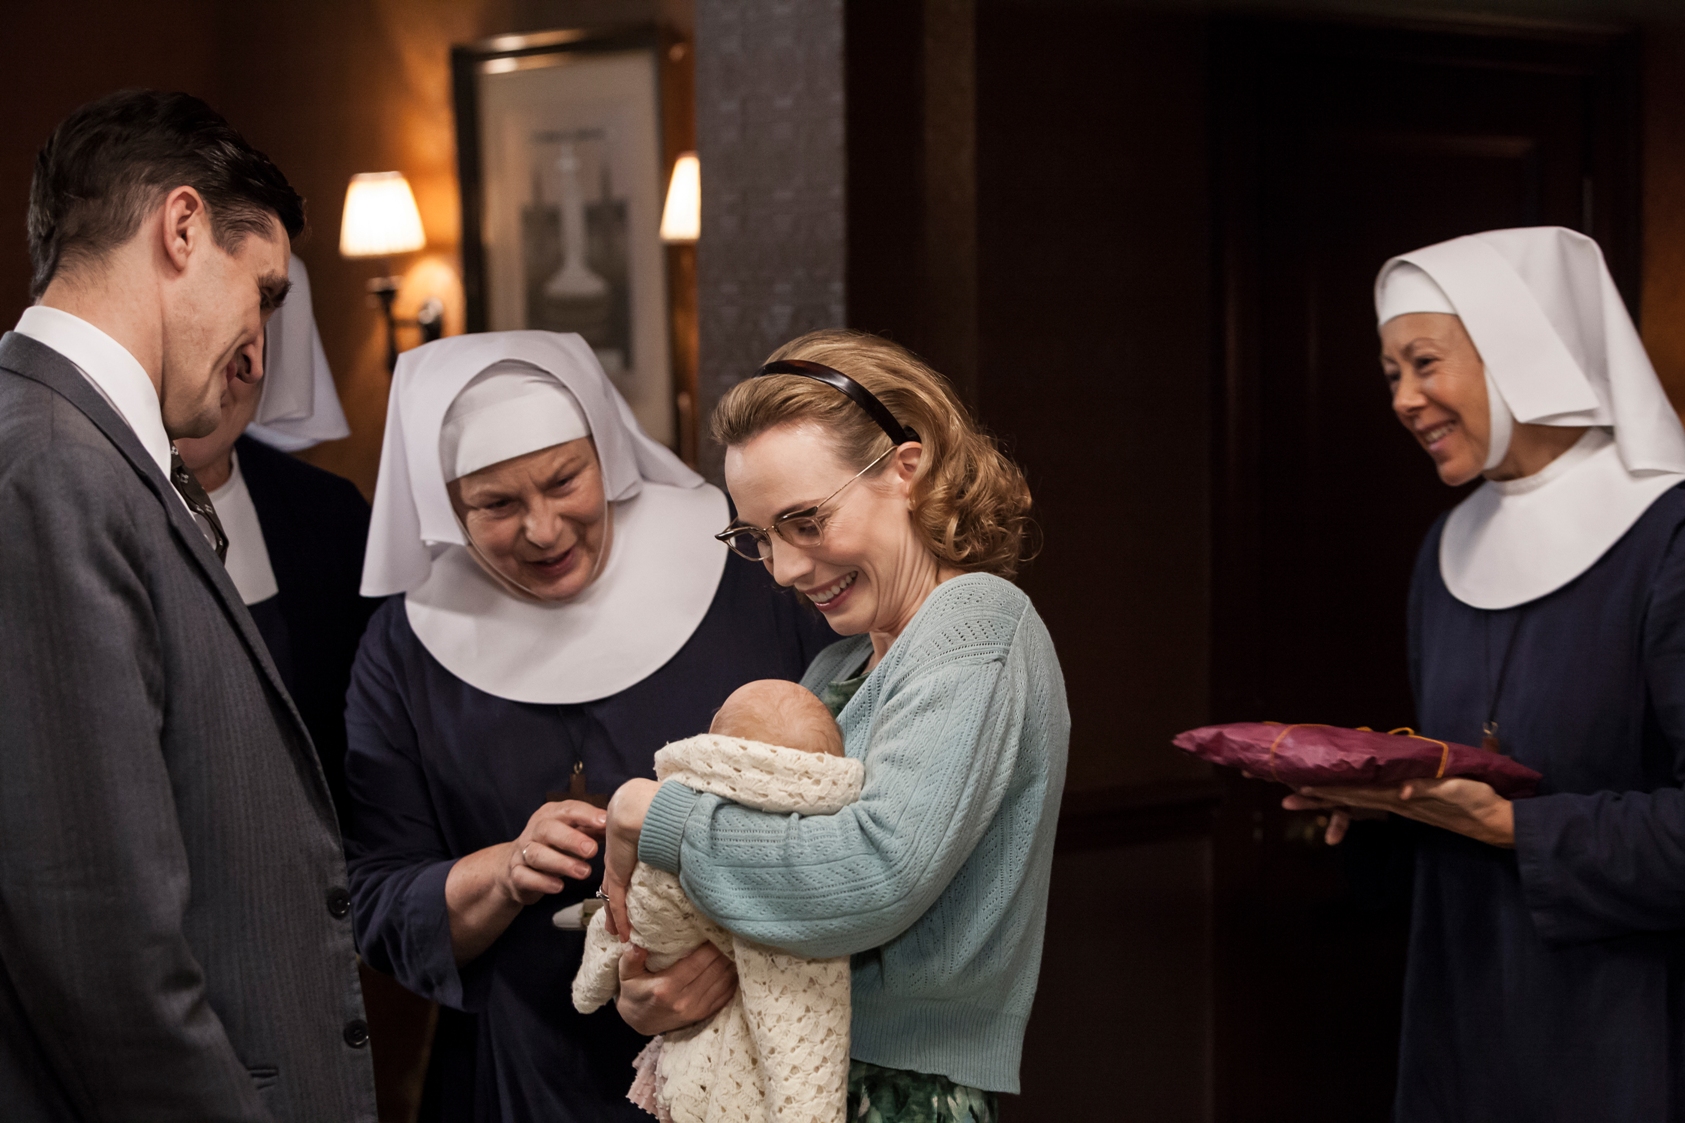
(655, 588)
(1514, 541)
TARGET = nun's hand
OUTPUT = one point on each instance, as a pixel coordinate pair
(625, 823)
(556, 845)
(694, 988)
(1468, 807)
(1340, 818)
(486, 890)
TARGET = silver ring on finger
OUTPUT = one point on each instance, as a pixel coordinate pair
(524, 850)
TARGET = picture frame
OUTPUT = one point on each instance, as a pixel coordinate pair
(562, 165)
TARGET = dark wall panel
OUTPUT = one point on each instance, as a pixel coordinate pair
(1094, 298)
(59, 56)
(1121, 1030)
(885, 165)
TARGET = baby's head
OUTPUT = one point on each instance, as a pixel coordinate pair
(776, 712)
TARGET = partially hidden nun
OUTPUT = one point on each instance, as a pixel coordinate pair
(559, 610)
(1546, 970)
(294, 533)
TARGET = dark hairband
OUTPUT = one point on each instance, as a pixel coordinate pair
(836, 379)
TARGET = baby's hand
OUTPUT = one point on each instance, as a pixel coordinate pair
(625, 822)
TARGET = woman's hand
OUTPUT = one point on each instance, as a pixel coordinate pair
(486, 891)
(626, 811)
(1468, 807)
(1339, 819)
(696, 987)
(558, 843)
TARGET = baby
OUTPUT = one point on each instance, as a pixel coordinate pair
(775, 712)
(779, 1049)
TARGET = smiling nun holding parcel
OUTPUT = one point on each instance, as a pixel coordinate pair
(562, 612)
(1546, 973)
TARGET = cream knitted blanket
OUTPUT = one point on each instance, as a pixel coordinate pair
(779, 1050)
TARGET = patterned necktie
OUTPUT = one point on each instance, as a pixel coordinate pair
(198, 502)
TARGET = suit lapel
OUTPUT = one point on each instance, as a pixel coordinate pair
(39, 363)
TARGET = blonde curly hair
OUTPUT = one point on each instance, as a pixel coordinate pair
(969, 502)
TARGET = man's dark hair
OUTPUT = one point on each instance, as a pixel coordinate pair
(109, 163)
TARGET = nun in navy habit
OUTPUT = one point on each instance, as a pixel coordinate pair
(1546, 970)
(562, 612)
(294, 533)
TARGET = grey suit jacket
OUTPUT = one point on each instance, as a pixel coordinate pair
(175, 939)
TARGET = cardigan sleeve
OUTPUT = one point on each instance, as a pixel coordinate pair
(1612, 863)
(943, 749)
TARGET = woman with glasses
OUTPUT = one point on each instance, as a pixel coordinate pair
(558, 611)
(861, 482)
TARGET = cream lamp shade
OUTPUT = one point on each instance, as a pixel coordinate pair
(681, 219)
(380, 217)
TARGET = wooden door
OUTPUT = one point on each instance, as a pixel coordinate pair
(1338, 146)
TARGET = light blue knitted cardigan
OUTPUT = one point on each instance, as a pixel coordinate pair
(936, 880)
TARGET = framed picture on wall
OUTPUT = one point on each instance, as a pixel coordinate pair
(559, 145)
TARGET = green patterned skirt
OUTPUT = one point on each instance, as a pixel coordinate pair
(893, 1095)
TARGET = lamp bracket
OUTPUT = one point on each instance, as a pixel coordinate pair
(429, 318)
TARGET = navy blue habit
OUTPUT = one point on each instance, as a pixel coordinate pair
(438, 769)
(315, 525)
(1548, 982)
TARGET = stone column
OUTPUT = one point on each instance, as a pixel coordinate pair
(769, 133)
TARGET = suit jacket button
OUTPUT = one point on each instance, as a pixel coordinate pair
(357, 1033)
(339, 903)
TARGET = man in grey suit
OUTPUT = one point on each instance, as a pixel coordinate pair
(175, 941)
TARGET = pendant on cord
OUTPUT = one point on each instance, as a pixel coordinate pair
(1489, 728)
(576, 790)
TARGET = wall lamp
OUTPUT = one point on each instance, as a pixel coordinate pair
(681, 218)
(681, 224)
(381, 220)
